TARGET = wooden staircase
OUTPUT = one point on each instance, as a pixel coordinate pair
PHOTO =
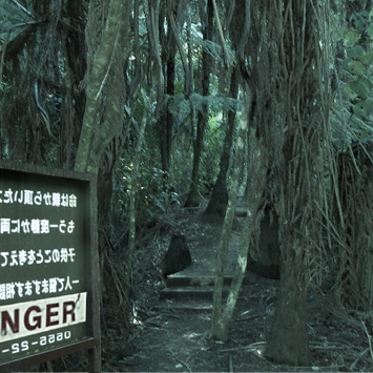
(195, 292)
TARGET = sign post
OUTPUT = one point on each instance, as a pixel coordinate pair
(49, 301)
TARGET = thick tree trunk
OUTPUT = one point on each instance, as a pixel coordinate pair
(87, 158)
(292, 123)
(288, 338)
(102, 130)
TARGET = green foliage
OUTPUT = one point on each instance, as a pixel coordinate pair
(153, 195)
(359, 89)
(352, 115)
(213, 148)
(181, 166)
(179, 107)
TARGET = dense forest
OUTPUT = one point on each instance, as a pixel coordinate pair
(174, 103)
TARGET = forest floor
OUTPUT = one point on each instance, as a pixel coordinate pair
(168, 339)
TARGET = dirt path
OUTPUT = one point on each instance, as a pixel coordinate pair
(168, 339)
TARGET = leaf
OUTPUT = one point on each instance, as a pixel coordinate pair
(370, 31)
(364, 108)
(367, 58)
(356, 52)
(361, 87)
(349, 92)
(352, 37)
(357, 68)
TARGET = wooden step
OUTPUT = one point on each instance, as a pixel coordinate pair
(241, 212)
(179, 279)
(189, 292)
(177, 304)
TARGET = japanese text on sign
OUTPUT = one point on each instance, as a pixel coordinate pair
(45, 261)
(30, 197)
(35, 226)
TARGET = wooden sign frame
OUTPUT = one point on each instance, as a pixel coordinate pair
(85, 185)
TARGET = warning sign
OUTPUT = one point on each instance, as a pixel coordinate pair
(28, 318)
(45, 262)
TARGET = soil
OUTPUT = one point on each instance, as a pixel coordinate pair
(169, 339)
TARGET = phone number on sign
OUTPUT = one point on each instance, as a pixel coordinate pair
(44, 340)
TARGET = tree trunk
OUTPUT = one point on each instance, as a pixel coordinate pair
(87, 158)
(170, 90)
(219, 321)
(132, 210)
(168, 65)
(72, 107)
(193, 197)
(301, 205)
(353, 285)
(288, 338)
(219, 196)
(102, 133)
(238, 30)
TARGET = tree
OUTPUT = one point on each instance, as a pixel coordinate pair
(219, 195)
(238, 31)
(301, 203)
(207, 18)
(105, 72)
(220, 318)
(168, 63)
(42, 64)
